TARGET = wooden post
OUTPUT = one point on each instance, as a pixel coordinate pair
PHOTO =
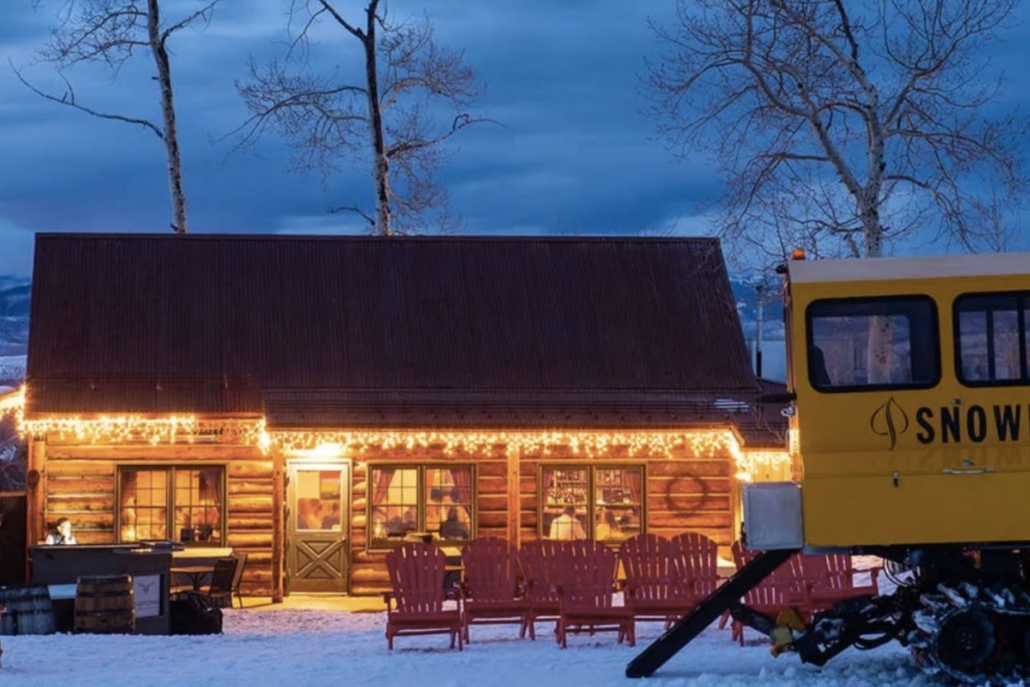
(35, 517)
(278, 524)
(514, 495)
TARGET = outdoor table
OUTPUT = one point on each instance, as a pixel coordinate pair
(194, 572)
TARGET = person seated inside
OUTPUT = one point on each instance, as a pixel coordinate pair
(452, 528)
(63, 535)
(606, 527)
(567, 526)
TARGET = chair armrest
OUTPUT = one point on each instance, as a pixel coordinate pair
(387, 598)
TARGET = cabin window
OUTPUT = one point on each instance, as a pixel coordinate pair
(413, 501)
(873, 343)
(180, 503)
(604, 503)
(991, 338)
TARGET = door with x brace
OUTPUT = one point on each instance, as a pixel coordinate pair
(318, 554)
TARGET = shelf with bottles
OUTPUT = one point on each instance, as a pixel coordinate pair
(566, 487)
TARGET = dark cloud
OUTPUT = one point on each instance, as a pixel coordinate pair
(574, 154)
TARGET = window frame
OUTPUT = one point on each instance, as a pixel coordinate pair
(591, 520)
(1022, 304)
(170, 504)
(385, 544)
(860, 300)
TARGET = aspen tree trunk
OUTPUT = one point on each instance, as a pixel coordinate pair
(171, 136)
(880, 360)
(380, 163)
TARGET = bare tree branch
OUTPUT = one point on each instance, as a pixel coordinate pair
(842, 121)
(68, 99)
(385, 119)
(203, 12)
(110, 32)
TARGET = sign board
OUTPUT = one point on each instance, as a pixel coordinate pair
(147, 590)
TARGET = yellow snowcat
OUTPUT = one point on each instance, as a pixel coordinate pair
(909, 407)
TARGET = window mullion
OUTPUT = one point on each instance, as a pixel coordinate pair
(1021, 327)
(991, 373)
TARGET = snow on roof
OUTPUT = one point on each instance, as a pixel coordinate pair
(935, 266)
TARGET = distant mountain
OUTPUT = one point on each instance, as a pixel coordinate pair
(14, 329)
(14, 316)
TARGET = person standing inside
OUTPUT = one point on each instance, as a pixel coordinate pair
(63, 535)
(567, 527)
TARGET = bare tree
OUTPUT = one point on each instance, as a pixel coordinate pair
(843, 125)
(386, 114)
(110, 32)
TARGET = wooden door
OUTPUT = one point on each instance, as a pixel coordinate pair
(318, 527)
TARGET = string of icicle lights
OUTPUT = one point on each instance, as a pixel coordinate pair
(173, 429)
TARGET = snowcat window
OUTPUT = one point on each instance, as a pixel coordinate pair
(873, 343)
(991, 338)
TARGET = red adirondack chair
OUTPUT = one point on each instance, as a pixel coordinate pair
(540, 561)
(586, 591)
(654, 591)
(781, 591)
(416, 575)
(831, 579)
(695, 560)
(490, 591)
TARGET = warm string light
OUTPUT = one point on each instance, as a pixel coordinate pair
(580, 443)
(13, 404)
(591, 444)
(118, 429)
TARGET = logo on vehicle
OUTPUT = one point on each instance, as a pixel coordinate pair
(889, 420)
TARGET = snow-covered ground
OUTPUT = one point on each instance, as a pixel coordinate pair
(319, 647)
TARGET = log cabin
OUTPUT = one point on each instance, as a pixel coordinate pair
(313, 401)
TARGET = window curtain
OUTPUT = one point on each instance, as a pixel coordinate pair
(128, 489)
(211, 488)
(382, 486)
(463, 483)
(631, 481)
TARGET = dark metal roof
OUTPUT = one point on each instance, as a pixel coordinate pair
(116, 316)
(474, 409)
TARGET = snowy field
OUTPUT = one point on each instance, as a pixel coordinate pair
(309, 647)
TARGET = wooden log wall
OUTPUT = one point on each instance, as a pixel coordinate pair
(684, 492)
(79, 482)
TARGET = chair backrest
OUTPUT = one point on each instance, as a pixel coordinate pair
(648, 566)
(491, 569)
(587, 574)
(695, 560)
(541, 568)
(773, 590)
(222, 576)
(237, 577)
(826, 572)
(416, 573)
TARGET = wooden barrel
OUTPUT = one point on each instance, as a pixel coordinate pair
(105, 605)
(28, 611)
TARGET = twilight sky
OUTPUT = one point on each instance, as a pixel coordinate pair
(575, 154)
